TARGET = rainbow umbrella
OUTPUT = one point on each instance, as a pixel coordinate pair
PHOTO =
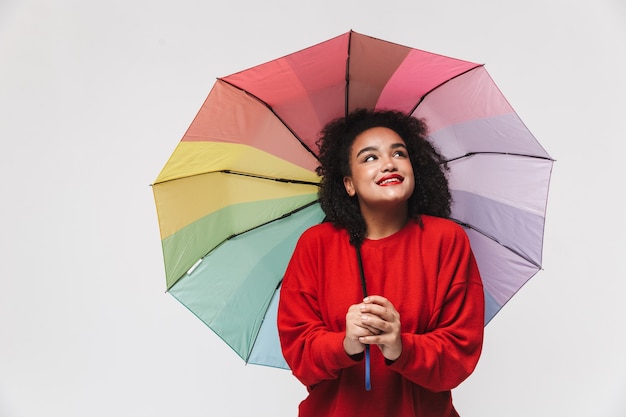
(241, 186)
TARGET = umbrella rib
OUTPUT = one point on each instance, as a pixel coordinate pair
(245, 174)
(275, 115)
(469, 154)
(234, 235)
(487, 235)
(347, 91)
(421, 99)
(285, 180)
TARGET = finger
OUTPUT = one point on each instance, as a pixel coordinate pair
(373, 339)
(382, 340)
(375, 323)
(372, 331)
(376, 311)
(379, 300)
(385, 311)
(376, 299)
(368, 328)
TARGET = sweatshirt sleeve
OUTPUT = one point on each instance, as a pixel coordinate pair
(312, 351)
(447, 354)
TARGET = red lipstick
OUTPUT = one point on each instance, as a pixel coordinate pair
(392, 179)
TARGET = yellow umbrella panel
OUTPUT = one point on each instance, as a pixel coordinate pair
(198, 212)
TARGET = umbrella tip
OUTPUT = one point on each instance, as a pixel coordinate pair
(194, 266)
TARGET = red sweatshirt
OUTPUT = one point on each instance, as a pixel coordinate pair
(429, 274)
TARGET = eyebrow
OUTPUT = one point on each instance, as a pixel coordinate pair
(375, 148)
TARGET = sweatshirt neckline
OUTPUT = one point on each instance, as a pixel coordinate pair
(399, 235)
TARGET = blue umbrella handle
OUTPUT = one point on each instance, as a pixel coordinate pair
(368, 381)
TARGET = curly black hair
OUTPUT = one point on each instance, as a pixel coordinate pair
(431, 195)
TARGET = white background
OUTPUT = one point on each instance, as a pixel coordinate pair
(94, 96)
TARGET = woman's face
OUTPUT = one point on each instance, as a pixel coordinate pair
(381, 174)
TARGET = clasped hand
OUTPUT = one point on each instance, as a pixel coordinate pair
(375, 321)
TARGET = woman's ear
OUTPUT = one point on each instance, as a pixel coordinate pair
(347, 182)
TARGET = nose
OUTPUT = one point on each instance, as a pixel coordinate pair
(389, 164)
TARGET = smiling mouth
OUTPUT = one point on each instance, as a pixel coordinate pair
(396, 179)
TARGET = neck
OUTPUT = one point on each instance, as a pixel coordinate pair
(384, 222)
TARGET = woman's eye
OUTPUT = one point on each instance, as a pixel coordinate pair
(369, 158)
(400, 154)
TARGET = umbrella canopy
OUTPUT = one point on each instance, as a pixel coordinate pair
(241, 186)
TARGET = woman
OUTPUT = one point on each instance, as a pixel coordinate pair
(386, 197)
